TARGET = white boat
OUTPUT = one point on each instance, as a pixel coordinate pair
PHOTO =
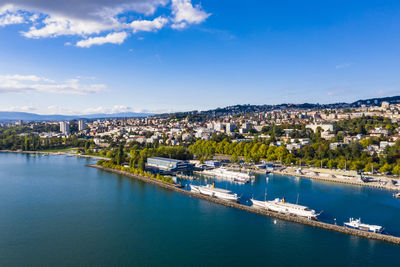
(281, 206)
(356, 224)
(194, 188)
(240, 177)
(210, 190)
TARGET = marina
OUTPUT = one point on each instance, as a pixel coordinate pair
(266, 212)
(235, 176)
(125, 218)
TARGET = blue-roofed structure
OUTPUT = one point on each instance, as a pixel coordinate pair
(168, 165)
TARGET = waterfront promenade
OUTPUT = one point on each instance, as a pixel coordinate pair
(322, 225)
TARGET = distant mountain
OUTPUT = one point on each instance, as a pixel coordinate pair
(240, 109)
(14, 116)
(237, 109)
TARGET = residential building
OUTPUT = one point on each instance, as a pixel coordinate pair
(64, 128)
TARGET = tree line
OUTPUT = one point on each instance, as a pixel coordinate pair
(352, 156)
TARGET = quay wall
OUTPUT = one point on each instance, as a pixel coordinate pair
(322, 225)
(337, 180)
(326, 179)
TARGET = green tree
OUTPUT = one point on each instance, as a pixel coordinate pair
(120, 157)
(385, 168)
(141, 163)
(396, 170)
(235, 158)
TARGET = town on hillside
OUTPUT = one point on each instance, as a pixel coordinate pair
(349, 141)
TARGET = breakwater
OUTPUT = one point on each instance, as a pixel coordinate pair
(322, 225)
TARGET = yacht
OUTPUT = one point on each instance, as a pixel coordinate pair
(240, 177)
(210, 190)
(356, 224)
(281, 206)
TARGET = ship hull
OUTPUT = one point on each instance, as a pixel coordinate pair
(275, 207)
(216, 194)
(364, 229)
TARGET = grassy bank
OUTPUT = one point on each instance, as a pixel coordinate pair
(109, 164)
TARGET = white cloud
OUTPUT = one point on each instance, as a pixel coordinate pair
(31, 78)
(112, 38)
(9, 19)
(59, 25)
(108, 110)
(91, 18)
(33, 83)
(185, 13)
(28, 108)
(56, 109)
(148, 25)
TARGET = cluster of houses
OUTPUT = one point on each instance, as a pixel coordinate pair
(169, 130)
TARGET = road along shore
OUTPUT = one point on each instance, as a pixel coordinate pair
(322, 225)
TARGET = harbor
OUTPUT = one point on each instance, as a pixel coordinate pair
(264, 212)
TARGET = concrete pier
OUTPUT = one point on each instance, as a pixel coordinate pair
(322, 225)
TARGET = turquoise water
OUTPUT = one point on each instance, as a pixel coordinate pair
(56, 211)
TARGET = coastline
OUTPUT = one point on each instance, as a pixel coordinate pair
(350, 181)
(304, 221)
(54, 153)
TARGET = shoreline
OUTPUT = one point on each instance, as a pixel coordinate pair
(54, 154)
(304, 221)
(348, 181)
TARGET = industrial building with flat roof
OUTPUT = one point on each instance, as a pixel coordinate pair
(168, 165)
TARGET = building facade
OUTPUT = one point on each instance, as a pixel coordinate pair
(64, 128)
(168, 165)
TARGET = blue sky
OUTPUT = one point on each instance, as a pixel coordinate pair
(176, 55)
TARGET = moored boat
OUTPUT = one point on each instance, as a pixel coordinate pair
(224, 173)
(194, 188)
(356, 224)
(212, 191)
(281, 206)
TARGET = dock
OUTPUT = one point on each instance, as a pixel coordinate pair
(337, 180)
(285, 217)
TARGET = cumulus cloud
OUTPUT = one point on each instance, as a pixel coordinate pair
(33, 83)
(91, 18)
(112, 38)
(185, 13)
(9, 19)
(148, 25)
